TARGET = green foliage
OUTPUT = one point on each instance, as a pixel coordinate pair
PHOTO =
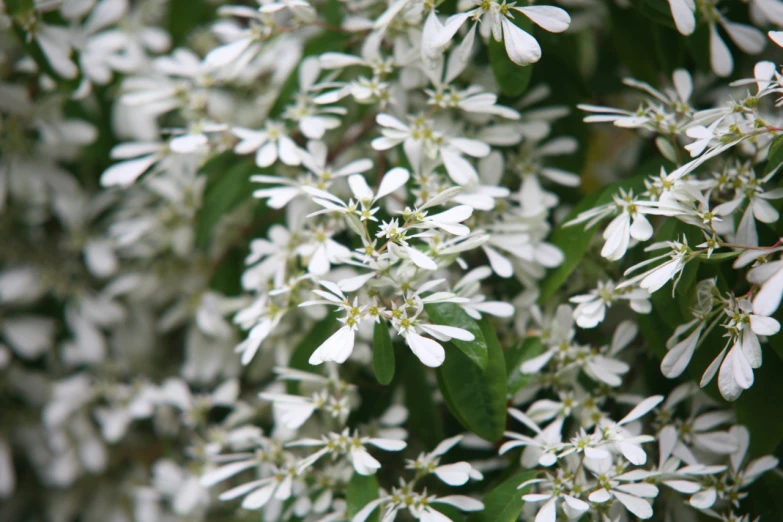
(775, 155)
(227, 186)
(450, 314)
(476, 398)
(504, 502)
(526, 350)
(423, 416)
(382, 353)
(361, 491)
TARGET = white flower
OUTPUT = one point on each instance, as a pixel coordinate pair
(138, 156)
(623, 487)
(591, 307)
(682, 12)
(572, 506)
(653, 279)
(770, 277)
(455, 474)
(521, 48)
(419, 505)
(429, 352)
(736, 366)
(469, 287)
(420, 139)
(352, 446)
(540, 450)
(269, 144)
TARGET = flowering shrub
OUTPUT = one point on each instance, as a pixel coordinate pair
(370, 260)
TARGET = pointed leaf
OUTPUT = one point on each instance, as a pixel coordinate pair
(504, 502)
(477, 399)
(382, 353)
(362, 489)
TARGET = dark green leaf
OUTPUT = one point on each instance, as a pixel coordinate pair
(477, 399)
(775, 155)
(361, 491)
(382, 353)
(504, 503)
(719, 258)
(423, 415)
(656, 10)
(529, 348)
(450, 314)
(228, 186)
(454, 514)
(760, 408)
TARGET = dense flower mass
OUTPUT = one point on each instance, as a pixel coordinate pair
(377, 260)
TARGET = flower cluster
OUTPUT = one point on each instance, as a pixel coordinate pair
(339, 261)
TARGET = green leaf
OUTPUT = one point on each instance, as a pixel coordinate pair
(361, 491)
(656, 10)
(186, 15)
(512, 78)
(20, 7)
(633, 40)
(527, 349)
(454, 514)
(477, 399)
(719, 258)
(301, 356)
(760, 408)
(775, 155)
(504, 503)
(450, 314)
(423, 415)
(382, 353)
(227, 187)
(573, 241)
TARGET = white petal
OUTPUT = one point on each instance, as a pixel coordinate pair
(704, 500)
(338, 347)
(641, 229)
(388, 444)
(454, 474)
(639, 507)
(683, 16)
(126, 172)
(459, 169)
(764, 325)
(522, 48)
(501, 265)
(449, 332)
(421, 259)
(359, 187)
(642, 409)
(462, 502)
(747, 38)
(392, 180)
(428, 351)
(210, 478)
(226, 54)
(552, 19)
(259, 498)
(720, 56)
